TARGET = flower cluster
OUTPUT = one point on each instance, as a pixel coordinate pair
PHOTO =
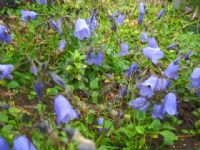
(92, 59)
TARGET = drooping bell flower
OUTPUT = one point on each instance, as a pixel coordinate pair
(61, 46)
(195, 78)
(23, 143)
(172, 46)
(92, 23)
(82, 30)
(120, 19)
(147, 87)
(4, 34)
(5, 71)
(157, 111)
(57, 25)
(92, 58)
(38, 89)
(3, 144)
(132, 69)
(188, 55)
(153, 52)
(139, 103)
(161, 13)
(100, 123)
(42, 1)
(172, 70)
(141, 13)
(99, 59)
(57, 79)
(28, 15)
(162, 84)
(113, 15)
(63, 109)
(124, 49)
(33, 68)
(144, 37)
(170, 104)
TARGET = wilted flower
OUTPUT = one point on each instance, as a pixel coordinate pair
(57, 25)
(57, 79)
(120, 19)
(42, 1)
(5, 71)
(3, 144)
(26, 15)
(144, 37)
(141, 13)
(23, 143)
(153, 52)
(162, 84)
(123, 91)
(172, 70)
(195, 78)
(148, 86)
(187, 56)
(157, 111)
(82, 30)
(172, 46)
(124, 49)
(33, 68)
(38, 89)
(63, 110)
(4, 34)
(161, 13)
(61, 46)
(139, 103)
(132, 69)
(92, 23)
(170, 104)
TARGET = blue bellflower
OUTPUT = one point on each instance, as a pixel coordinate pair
(33, 68)
(120, 19)
(124, 49)
(23, 143)
(172, 70)
(82, 30)
(99, 59)
(147, 87)
(5, 71)
(42, 1)
(170, 104)
(57, 25)
(141, 13)
(172, 46)
(195, 78)
(63, 110)
(139, 103)
(153, 52)
(188, 55)
(132, 69)
(61, 46)
(28, 15)
(113, 15)
(157, 111)
(162, 84)
(92, 59)
(4, 34)
(3, 144)
(144, 37)
(38, 89)
(92, 23)
(57, 79)
(100, 123)
(161, 13)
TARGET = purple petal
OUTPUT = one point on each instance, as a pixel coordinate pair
(152, 43)
(92, 23)
(120, 19)
(42, 1)
(132, 69)
(172, 71)
(23, 143)
(140, 19)
(99, 59)
(170, 104)
(38, 89)
(139, 103)
(188, 55)
(82, 30)
(33, 68)
(100, 121)
(113, 15)
(162, 84)
(195, 78)
(161, 13)
(63, 109)
(92, 58)
(57, 25)
(4, 34)
(144, 37)
(61, 46)
(3, 144)
(5, 71)
(57, 79)
(141, 8)
(26, 15)
(157, 111)
(124, 49)
(123, 91)
(172, 46)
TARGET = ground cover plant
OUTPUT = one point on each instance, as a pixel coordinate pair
(99, 75)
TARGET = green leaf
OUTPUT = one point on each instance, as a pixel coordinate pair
(3, 118)
(52, 91)
(13, 85)
(155, 125)
(140, 129)
(94, 84)
(169, 137)
(95, 96)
